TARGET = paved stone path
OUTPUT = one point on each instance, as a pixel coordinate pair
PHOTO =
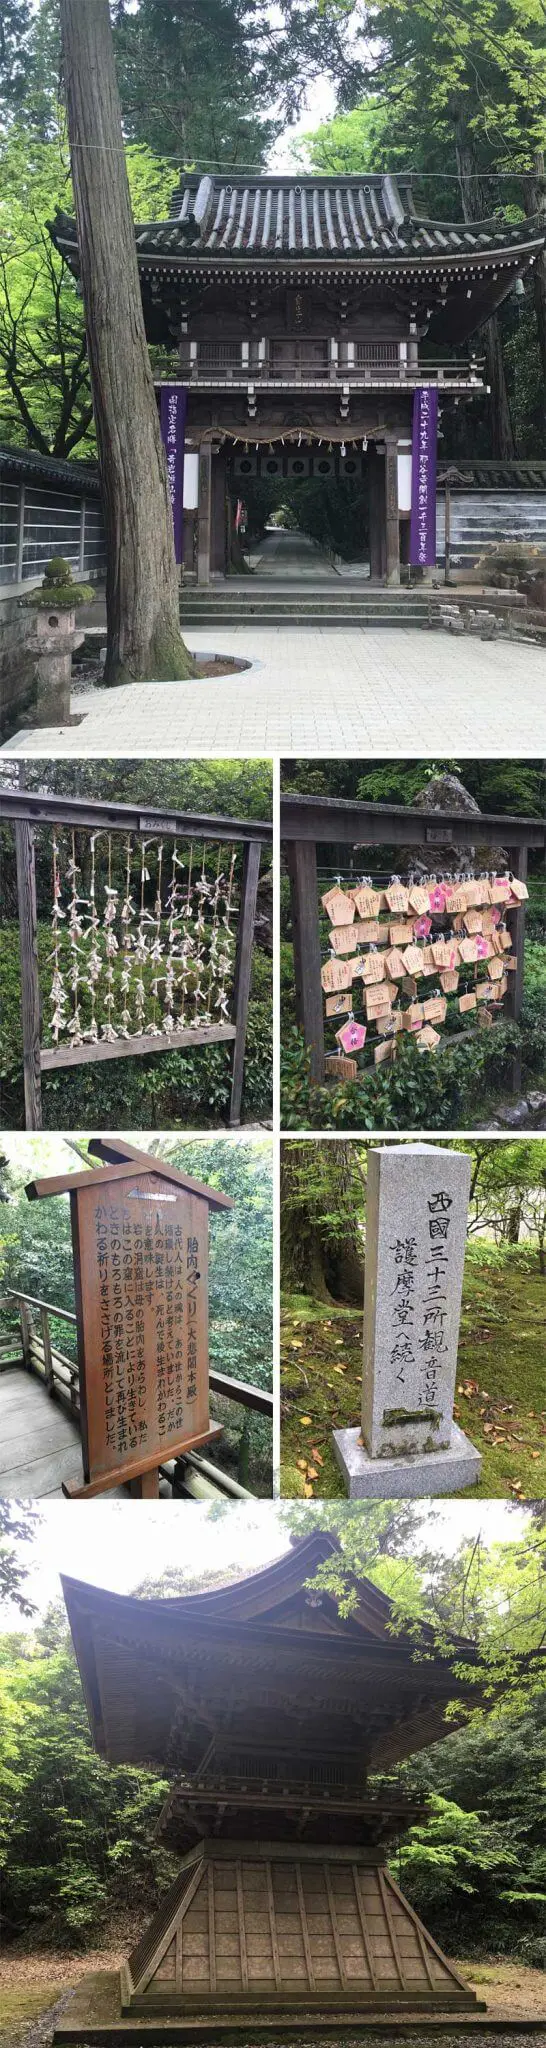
(371, 692)
(291, 556)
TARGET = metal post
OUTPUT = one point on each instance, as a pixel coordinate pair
(30, 987)
(81, 563)
(20, 535)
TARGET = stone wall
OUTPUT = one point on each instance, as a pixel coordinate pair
(18, 664)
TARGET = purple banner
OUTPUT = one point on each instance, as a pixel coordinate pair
(423, 478)
(173, 408)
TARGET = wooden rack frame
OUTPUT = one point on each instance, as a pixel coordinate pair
(26, 813)
(309, 821)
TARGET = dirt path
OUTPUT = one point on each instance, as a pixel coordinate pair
(35, 1989)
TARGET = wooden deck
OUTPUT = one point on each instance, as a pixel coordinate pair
(39, 1442)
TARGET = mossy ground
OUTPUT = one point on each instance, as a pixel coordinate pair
(500, 1400)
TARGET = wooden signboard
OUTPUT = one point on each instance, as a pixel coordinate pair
(140, 1249)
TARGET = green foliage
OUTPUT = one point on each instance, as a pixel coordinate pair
(483, 1882)
(416, 1093)
(45, 399)
(76, 1834)
(456, 93)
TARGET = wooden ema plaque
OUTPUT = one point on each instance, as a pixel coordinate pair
(140, 1248)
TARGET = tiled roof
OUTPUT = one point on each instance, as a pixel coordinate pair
(29, 462)
(281, 219)
(319, 217)
(493, 476)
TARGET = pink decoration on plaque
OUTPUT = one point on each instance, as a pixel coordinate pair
(422, 927)
(495, 916)
(483, 948)
(437, 898)
(352, 1036)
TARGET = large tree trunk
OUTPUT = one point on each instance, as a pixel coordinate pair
(474, 205)
(143, 638)
(534, 200)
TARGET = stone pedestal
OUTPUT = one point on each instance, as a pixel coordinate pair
(56, 640)
(417, 1204)
(401, 1478)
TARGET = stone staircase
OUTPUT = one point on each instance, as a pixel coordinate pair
(251, 603)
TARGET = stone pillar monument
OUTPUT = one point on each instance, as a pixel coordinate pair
(417, 1206)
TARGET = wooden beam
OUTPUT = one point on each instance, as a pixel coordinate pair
(113, 1149)
(256, 1398)
(53, 1056)
(121, 1475)
(30, 985)
(130, 1169)
(332, 820)
(305, 1930)
(363, 1928)
(273, 1927)
(241, 1924)
(243, 971)
(34, 1301)
(212, 1928)
(95, 816)
(302, 868)
(386, 1904)
(335, 1929)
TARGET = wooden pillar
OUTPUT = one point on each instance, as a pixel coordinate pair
(145, 1488)
(204, 513)
(48, 1359)
(376, 513)
(302, 868)
(27, 1326)
(392, 529)
(514, 994)
(243, 971)
(30, 988)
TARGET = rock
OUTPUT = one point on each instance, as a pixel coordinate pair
(516, 1114)
(536, 1102)
(448, 793)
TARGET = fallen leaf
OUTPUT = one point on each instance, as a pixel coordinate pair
(306, 1420)
(302, 1464)
(312, 1472)
(308, 1492)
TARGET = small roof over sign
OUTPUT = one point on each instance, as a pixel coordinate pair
(122, 1162)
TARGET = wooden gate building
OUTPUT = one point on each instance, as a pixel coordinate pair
(281, 1725)
(302, 313)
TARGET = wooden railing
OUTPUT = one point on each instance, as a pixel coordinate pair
(40, 1355)
(223, 363)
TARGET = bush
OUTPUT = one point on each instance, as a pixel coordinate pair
(159, 1091)
(417, 1092)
